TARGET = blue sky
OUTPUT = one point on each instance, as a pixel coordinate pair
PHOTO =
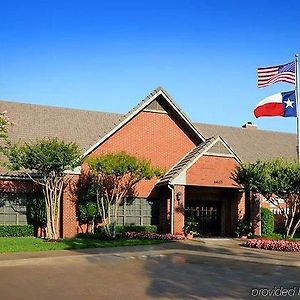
(108, 55)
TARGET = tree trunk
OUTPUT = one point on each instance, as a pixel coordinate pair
(53, 189)
(115, 219)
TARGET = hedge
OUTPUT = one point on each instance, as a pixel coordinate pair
(16, 230)
(120, 230)
(267, 221)
(136, 228)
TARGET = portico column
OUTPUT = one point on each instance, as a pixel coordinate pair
(179, 204)
(255, 213)
(69, 224)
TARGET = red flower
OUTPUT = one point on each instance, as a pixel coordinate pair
(278, 245)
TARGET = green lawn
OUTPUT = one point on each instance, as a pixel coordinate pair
(280, 236)
(31, 244)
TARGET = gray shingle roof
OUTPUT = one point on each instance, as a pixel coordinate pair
(33, 122)
(252, 144)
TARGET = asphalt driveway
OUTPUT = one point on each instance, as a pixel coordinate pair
(213, 269)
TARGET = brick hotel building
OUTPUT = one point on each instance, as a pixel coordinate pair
(198, 160)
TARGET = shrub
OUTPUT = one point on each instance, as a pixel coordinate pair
(120, 230)
(191, 225)
(278, 245)
(153, 236)
(100, 235)
(136, 228)
(16, 230)
(243, 227)
(267, 221)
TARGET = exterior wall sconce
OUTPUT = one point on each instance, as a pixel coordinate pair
(178, 197)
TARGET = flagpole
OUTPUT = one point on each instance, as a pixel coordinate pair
(298, 105)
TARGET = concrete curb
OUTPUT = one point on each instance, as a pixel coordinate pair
(142, 255)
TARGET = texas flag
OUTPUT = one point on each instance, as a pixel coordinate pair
(281, 104)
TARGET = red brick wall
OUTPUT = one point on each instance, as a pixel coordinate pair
(212, 171)
(241, 198)
(164, 198)
(18, 186)
(154, 136)
(237, 210)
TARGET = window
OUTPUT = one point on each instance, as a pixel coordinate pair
(13, 208)
(138, 211)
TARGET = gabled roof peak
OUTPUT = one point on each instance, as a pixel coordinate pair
(142, 105)
(191, 157)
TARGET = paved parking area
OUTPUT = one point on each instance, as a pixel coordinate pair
(213, 269)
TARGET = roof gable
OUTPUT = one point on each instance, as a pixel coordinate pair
(218, 149)
(158, 101)
(213, 146)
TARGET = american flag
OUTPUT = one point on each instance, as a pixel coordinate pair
(270, 75)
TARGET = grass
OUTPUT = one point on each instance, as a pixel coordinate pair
(280, 236)
(31, 244)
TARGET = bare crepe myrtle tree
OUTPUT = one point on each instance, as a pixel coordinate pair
(116, 175)
(45, 162)
(277, 180)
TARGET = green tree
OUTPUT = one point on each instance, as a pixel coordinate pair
(277, 180)
(115, 176)
(45, 162)
(88, 211)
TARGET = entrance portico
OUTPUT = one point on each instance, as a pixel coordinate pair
(202, 188)
(216, 210)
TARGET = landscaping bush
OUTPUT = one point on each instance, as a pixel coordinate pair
(243, 227)
(120, 230)
(16, 230)
(267, 221)
(153, 236)
(278, 245)
(100, 235)
(136, 228)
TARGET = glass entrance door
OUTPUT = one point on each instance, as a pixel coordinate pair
(207, 215)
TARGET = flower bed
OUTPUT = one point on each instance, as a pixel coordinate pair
(278, 245)
(153, 236)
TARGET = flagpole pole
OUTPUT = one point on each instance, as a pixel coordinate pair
(298, 105)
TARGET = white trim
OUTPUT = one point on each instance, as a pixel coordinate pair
(132, 115)
(8, 177)
(185, 118)
(172, 207)
(180, 179)
(121, 124)
(75, 171)
(229, 149)
(155, 111)
(219, 154)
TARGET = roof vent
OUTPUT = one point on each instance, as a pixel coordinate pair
(249, 125)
